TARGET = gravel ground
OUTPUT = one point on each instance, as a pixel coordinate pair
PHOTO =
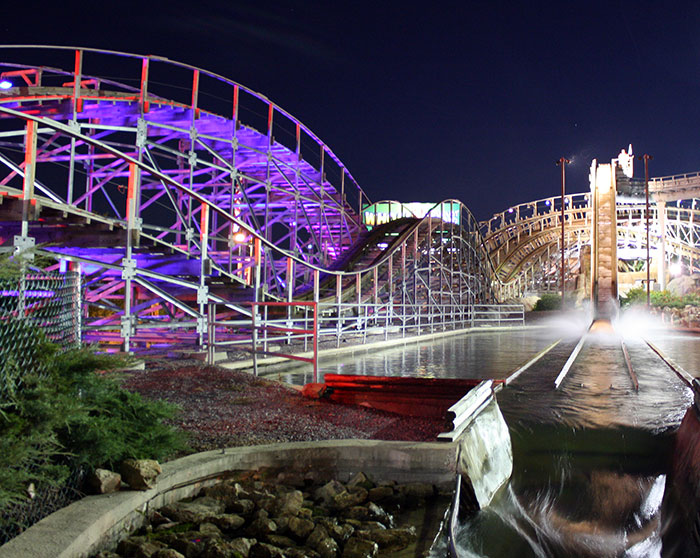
(225, 408)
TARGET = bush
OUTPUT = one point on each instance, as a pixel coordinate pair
(548, 302)
(70, 416)
(659, 299)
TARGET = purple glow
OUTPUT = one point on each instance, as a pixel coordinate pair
(510, 210)
(4, 84)
(29, 294)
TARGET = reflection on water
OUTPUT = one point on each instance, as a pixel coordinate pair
(600, 514)
(475, 355)
(590, 459)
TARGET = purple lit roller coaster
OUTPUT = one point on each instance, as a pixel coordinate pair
(199, 213)
(185, 200)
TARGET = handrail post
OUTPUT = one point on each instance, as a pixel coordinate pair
(315, 334)
(254, 339)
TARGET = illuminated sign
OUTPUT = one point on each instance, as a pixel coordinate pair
(383, 212)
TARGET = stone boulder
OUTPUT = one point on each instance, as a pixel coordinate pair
(360, 548)
(328, 491)
(300, 527)
(196, 511)
(349, 498)
(289, 503)
(140, 474)
(139, 547)
(167, 553)
(361, 480)
(262, 550)
(321, 541)
(104, 481)
(390, 539)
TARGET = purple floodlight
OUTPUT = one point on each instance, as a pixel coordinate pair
(4, 84)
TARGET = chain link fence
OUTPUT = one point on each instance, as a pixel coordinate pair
(18, 517)
(35, 308)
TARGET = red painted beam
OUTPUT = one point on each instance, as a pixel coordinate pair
(424, 397)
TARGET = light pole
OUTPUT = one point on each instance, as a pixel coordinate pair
(646, 192)
(562, 162)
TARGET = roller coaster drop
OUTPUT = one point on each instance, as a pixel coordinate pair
(183, 199)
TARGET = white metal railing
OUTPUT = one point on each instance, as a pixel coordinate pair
(498, 315)
(305, 326)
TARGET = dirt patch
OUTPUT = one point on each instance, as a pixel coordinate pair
(226, 408)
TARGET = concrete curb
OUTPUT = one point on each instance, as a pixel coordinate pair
(96, 522)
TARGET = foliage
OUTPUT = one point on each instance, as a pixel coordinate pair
(548, 302)
(660, 299)
(69, 416)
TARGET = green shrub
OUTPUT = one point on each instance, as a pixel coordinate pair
(548, 302)
(660, 299)
(70, 416)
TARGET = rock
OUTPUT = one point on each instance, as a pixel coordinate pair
(290, 503)
(293, 552)
(262, 527)
(415, 494)
(107, 554)
(340, 533)
(104, 481)
(140, 474)
(241, 546)
(189, 544)
(313, 390)
(196, 511)
(390, 539)
(216, 548)
(359, 513)
(165, 526)
(322, 542)
(167, 553)
(227, 521)
(361, 480)
(300, 527)
(269, 504)
(328, 491)
(360, 548)
(371, 526)
(380, 494)
(227, 492)
(282, 523)
(262, 550)
(280, 541)
(377, 513)
(306, 513)
(349, 498)
(138, 547)
(242, 507)
(209, 529)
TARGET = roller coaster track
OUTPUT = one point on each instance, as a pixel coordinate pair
(524, 241)
(182, 196)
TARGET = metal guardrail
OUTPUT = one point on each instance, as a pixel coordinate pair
(307, 324)
(490, 315)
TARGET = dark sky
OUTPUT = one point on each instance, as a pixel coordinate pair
(471, 100)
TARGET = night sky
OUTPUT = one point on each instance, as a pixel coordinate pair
(474, 102)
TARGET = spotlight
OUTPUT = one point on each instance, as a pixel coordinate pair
(4, 84)
(239, 237)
